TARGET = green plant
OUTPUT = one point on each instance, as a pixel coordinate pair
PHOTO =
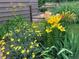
(66, 48)
(67, 6)
(49, 38)
(49, 53)
(71, 40)
(20, 38)
(42, 2)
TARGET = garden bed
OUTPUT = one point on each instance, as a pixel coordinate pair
(54, 37)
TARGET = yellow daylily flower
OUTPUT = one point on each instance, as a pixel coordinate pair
(35, 41)
(19, 40)
(33, 55)
(54, 19)
(32, 43)
(12, 39)
(3, 43)
(4, 57)
(11, 46)
(31, 46)
(15, 48)
(27, 51)
(61, 28)
(7, 52)
(22, 51)
(24, 58)
(2, 48)
(19, 47)
(37, 45)
(50, 20)
(58, 17)
(48, 30)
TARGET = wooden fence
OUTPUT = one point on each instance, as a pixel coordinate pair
(9, 8)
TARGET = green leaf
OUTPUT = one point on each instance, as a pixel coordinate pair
(63, 50)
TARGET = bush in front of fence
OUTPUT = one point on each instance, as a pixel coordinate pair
(18, 39)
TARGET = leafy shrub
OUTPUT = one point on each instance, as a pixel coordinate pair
(42, 2)
(69, 6)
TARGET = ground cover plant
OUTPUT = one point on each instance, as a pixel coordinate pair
(18, 40)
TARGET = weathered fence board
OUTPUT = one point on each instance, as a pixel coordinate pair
(9, 8)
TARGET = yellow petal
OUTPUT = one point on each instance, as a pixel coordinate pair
(31, 46)
(24, 58)
(11, 46)
(27, 51)
(23, 51)
(4, 57)
(33, 55)
(8, 53)
(48, 30)
(12, 39)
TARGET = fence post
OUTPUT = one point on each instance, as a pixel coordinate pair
(30, 7)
